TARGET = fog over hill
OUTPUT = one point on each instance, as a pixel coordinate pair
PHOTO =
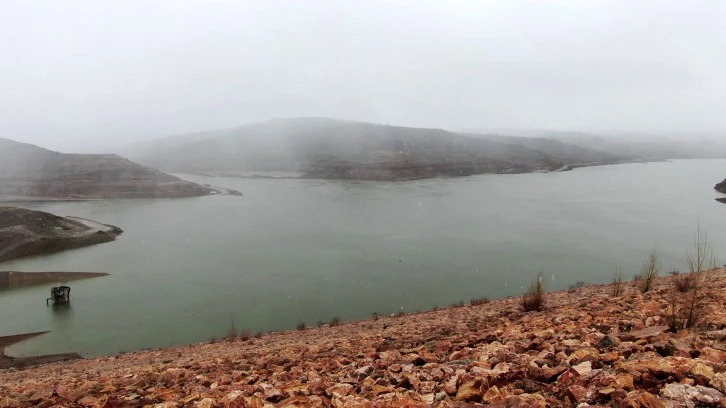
(31, 172)
(644, 145)
(332, 148)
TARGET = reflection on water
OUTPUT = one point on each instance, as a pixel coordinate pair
(61, 311)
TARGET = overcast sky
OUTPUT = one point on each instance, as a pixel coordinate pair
(92, 74)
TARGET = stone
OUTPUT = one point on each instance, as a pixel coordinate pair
(576, 392)
(339, 390)
(719, 382)
(589, 353)
(234, 399)
(712, 355)
(522, 401)
(206, 403)
(568, 377)
(624, 381)
(469, 391)
(643, 334)
(583, 368)
(641, 399)
(93, 402)
(683, 395)
(606, 342)
(493, 395)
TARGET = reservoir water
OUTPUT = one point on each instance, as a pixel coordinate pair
(309, 250)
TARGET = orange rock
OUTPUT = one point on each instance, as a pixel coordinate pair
(522, 401)
(493, 395)
(624, 381)
(576, 392)
(469, 391)
(641, 399)
(713, 355)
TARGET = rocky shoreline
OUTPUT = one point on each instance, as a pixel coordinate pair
(587, 348)
(25, 232)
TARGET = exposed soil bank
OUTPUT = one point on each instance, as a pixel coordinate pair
(26, 232)
(13, 280)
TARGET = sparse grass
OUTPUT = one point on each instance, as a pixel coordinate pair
(479, 301)
(617, 284)
(258, 335)
(302, 326)
(335, 321)
(375, 316)
(320, 323)
(687, 308)
(651, 270)
(534, 298)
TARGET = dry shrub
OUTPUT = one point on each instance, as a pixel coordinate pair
(617, 284)
(650, 271)
(686, 309)
(480, 301)
(457, 305)
(302, 325)
(244, 335)
(259, 335)
(335, 321)
(682, 282)
(534, 298)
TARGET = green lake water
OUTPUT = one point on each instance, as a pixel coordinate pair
(308, 250)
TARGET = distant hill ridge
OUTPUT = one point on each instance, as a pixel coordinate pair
(341, 149)
(31, 172)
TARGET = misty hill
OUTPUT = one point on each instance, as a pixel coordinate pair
(571, 153)
(338, 149)
(645, 146)
(31, 172)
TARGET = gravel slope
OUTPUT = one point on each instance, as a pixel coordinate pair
(587, 347)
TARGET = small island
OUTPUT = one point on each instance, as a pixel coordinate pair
(25, 232)
(721, 188)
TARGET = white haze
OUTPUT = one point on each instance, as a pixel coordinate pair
(94, 75)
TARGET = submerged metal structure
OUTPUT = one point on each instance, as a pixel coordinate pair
(59, 294)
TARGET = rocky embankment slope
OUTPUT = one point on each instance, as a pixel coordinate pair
(586, 348)
(26, 232)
